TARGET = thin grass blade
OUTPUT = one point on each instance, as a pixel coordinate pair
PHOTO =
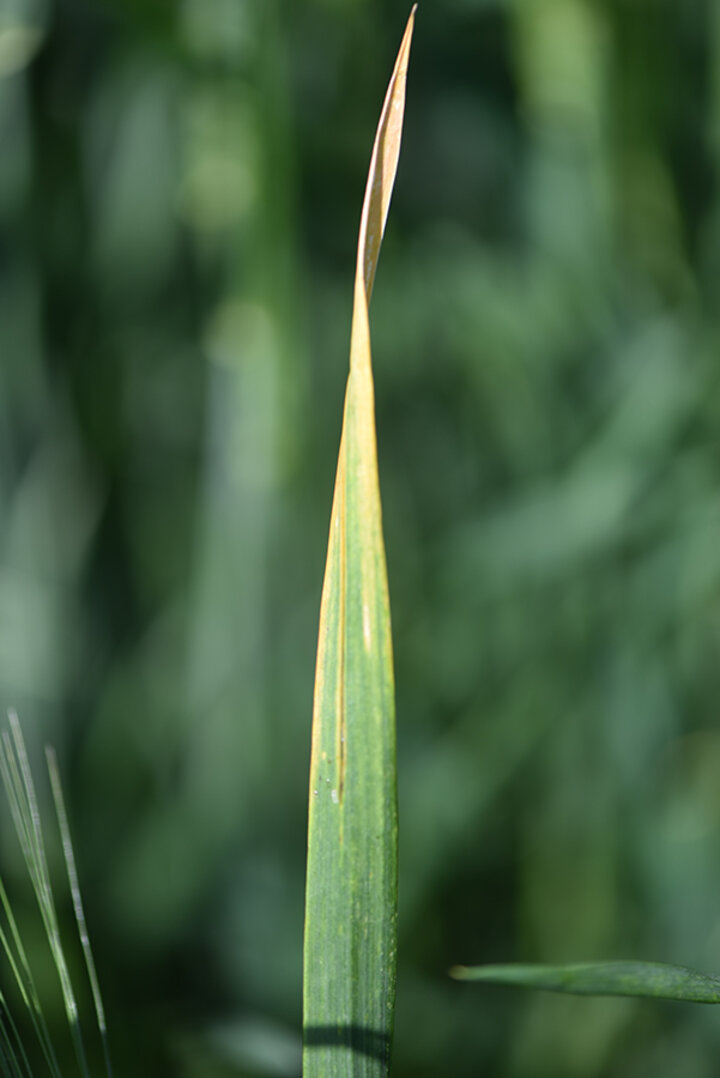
(14, 953)
(649, 979)
(14, 1057)
(351, 892)
(78, 908)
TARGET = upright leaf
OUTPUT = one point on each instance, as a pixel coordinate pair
(351, 893)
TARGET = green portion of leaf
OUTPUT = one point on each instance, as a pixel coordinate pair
(351, 893)
(651, 979)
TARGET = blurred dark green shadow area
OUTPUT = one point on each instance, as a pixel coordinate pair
(180, 189)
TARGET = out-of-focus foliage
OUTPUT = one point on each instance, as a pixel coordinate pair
(179, 192)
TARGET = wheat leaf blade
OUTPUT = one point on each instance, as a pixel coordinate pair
(351, 892)
(653, 980)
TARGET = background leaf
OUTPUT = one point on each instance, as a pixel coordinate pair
(652, 979)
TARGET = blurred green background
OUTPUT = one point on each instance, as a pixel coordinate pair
(180, 188)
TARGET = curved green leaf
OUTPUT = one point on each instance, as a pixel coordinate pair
(650, 979)
(351, 890)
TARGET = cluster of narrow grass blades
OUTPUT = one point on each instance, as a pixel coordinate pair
(16, 1055)
(351, 891)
